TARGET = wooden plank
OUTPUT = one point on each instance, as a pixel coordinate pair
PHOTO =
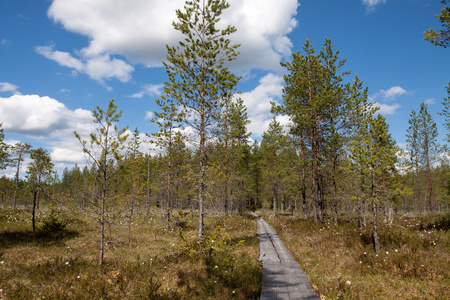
(283, 278)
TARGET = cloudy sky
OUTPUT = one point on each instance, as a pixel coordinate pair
(60, 59)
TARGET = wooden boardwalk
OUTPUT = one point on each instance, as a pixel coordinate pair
(283, 278)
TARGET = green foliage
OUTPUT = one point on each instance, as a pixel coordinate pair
(198, 76)
(40, 169)
(4, 154)
(446, 112)
(441, 37)
(105, 151)
(52, 223)
(216, 243)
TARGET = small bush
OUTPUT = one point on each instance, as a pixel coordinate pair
(53, 224)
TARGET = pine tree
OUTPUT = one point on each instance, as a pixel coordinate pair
(255, 174)
(441, 37)
(360, 112)
(314, 97)
(168, 120)
(303, 102)
(336, 100)
(3, 150)
(413, 146)
(382, 158)
(234, 138)
(39, 172)
(197, 66)
(134, 176)
(428, 146)
(446, 112)
(20, 150)
(104, 152)
(273, 141)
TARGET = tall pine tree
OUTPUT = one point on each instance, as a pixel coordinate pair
(198, 72)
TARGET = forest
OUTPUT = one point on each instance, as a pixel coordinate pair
(335, 162)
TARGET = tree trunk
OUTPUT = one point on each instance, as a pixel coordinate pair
(102, 225)
(17, 180)
(169, 173)
(376, 240)
(33, 217)
(201, 189)
(430, 186)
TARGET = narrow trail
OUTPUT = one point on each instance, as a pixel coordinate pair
(283, 278)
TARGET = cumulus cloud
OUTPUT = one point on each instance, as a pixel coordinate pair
(387, 109)
(371, 4)
(139, 30)
(258, 101)
(430, 101)
(36, 116)
(43, 118)
(97, 67)
(390, 94)
(393, 92)
(149, 90)
(8, 87)
(148, 115)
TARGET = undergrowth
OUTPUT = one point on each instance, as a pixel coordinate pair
(60, 260)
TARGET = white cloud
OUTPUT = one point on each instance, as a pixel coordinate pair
(393, 92)
(387, 109)
(8, 87)
(63, 58)
(5, 42)
(148, 115)
(258, 101)
(139, 30)
(97, 67)
(371, 4)
(37, 116)
(42, 118)
(150, 90)
(390, 94)
(430, 101)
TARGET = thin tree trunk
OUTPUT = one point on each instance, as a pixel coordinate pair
(17, 180)
(168, 206)
(335, 200)
(430, 186)
(33, 218)
(201, 192)
(376, 239)
(130, 219)
(102, 224)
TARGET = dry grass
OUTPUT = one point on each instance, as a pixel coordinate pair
(340, 261)
(156, 264)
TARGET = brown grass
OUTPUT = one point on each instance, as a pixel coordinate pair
(154, 265)
(340, 261)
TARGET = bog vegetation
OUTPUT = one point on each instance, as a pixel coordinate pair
(335, 166)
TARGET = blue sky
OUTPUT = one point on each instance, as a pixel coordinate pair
(60, 59)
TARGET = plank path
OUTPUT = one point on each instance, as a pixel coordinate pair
(283, 278)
